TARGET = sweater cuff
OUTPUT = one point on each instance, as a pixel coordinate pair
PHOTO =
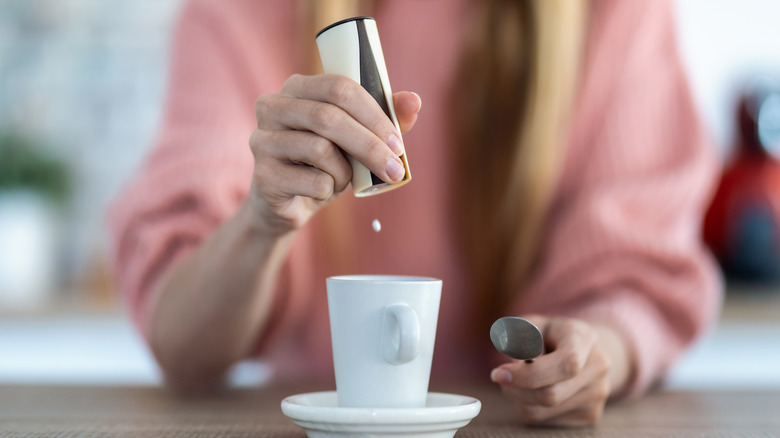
(650, 340)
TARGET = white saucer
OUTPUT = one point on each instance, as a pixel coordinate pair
(319, 414)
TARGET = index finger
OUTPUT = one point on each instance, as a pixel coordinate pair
(339, 109)
(348, 95)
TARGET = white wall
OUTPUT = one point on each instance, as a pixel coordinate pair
(87, 79)
(725, 43)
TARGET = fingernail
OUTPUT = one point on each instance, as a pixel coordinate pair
(394, 168)
(501, 376)
(395, 144)
(419, 101)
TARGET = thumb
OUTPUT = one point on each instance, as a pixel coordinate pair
(407, 104)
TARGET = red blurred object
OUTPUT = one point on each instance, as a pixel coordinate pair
(742, 226)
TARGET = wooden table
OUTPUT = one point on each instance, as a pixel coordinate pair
(42, 411)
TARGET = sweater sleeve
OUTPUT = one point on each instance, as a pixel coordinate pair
(199, 170)
(624, 244)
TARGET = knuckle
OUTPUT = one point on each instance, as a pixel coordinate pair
(291, 82)
(382, 124)
(548, 396)
(603, 390)
(257, 139)
(321, 149)
(340, 89)
(570, 365)
(322, 186)
(342, 185)
(254, 142)
(375, 148)
(340, 182)
(344, 178)
(324, 116)
(262, 105)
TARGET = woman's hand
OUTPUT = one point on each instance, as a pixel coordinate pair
(299, 144)
(570, 384)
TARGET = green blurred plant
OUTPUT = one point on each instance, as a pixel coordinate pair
(25, 165)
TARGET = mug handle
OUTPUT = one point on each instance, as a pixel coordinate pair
(400, 334)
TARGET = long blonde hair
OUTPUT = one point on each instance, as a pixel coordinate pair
(520, 67)
(521, 71)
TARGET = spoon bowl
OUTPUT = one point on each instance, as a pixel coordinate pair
(517, 338)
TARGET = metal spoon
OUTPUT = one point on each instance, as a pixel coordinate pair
(517, 338)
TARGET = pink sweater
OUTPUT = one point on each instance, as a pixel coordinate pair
(622, 239)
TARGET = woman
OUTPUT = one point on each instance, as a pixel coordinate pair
(560, 173)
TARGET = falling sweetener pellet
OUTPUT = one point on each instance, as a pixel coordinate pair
(377, 225)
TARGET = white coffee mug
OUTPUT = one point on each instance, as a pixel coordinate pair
(383, 330)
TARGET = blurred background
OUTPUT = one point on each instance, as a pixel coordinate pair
(82, 84)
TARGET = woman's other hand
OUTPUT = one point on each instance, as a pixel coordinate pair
(299, 144)
(569, 385)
